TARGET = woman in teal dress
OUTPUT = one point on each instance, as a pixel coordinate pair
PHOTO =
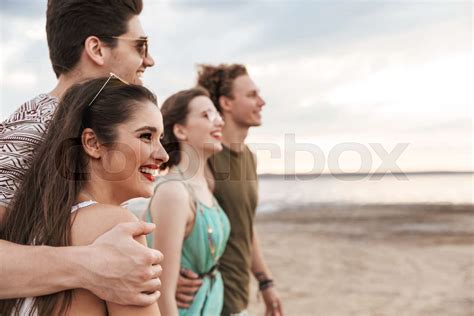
(192, 229)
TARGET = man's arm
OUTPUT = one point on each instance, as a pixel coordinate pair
(262, 274)
(33, 271)
(115, 267)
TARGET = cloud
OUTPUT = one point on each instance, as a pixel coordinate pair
(25, 68)
(328, 70)
(23, 8)
(209, 5)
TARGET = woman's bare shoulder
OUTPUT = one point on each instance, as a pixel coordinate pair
(171, 193)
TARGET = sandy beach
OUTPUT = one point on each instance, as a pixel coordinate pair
(371, 260)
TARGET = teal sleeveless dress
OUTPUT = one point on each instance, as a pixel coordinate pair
(201, 252)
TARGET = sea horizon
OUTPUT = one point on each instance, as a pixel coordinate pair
(326, 174)
(279, 192)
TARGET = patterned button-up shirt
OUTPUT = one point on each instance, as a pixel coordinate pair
(20, 136)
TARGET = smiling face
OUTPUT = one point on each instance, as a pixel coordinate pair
(128, 59)
(246, 104)
(203, 127)
(131, 163)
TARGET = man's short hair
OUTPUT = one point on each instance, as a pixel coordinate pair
(70, 22)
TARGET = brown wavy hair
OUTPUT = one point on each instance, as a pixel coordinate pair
(40, 213)
(175, 110)
(219, 80)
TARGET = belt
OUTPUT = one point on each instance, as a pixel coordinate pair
(211, 273)
(242, 313)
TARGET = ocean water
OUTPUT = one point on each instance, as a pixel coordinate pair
(278, 193)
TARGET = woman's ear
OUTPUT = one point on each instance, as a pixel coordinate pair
(95, 50)
(90, 143)
(180, 132)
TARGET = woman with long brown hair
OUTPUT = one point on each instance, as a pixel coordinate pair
(101, 149)
(193, 228)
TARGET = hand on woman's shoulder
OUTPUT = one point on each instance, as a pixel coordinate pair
(92, 221)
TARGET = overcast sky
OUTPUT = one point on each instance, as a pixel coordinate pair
(331, 72)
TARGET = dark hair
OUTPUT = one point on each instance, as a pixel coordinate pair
(175, 111)
(218, 80)
(41, 209)
(70, 22)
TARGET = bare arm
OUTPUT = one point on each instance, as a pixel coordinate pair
(33, 271)
(259, 266)
(112, 268)
(261, 272)
(89, 223)
(170, 209)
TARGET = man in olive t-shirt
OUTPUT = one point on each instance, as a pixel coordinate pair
(234, 172)
(236, 190)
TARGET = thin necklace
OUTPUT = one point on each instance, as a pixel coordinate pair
(210, 231)
(190, 186)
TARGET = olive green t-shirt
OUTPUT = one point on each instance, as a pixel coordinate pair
(236, 190)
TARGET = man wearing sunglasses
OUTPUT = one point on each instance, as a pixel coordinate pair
(86, 39)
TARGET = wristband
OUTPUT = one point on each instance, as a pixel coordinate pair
(265, 284)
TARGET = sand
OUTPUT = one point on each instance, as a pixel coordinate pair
(371, 260)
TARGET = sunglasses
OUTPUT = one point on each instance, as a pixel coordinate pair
(212, 115)
(143, 41)
(112, 76)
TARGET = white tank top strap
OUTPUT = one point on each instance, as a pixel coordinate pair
(82, 205)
